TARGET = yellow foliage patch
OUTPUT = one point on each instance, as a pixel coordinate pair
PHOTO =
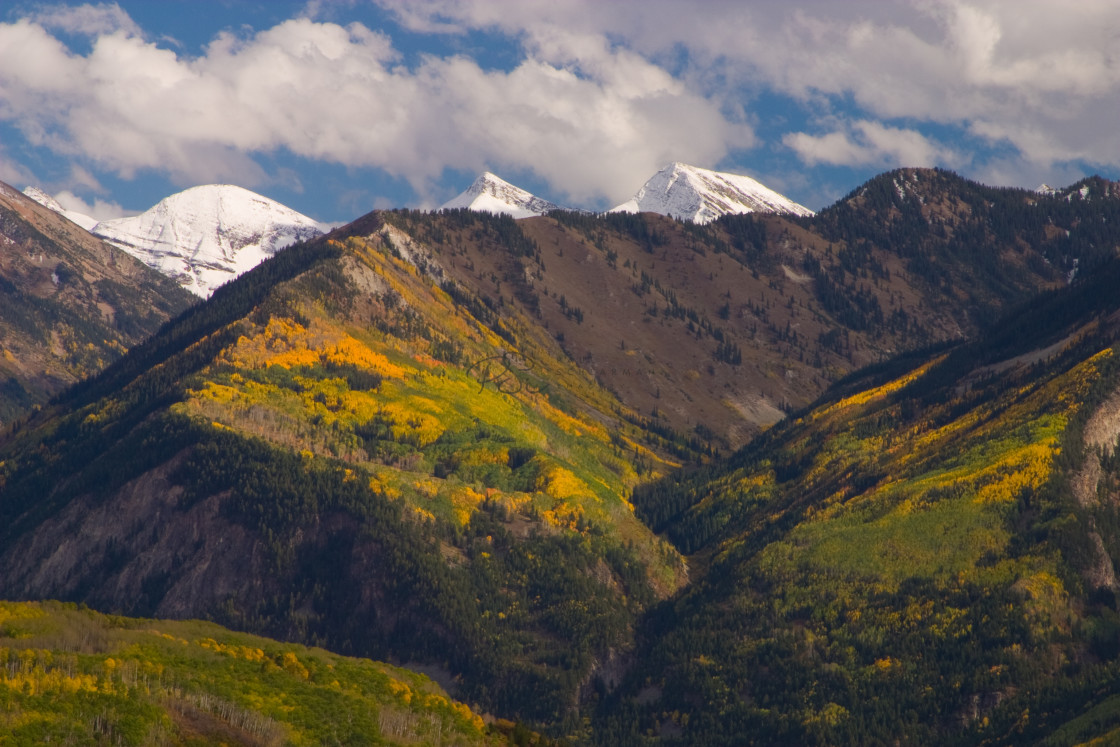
(401, 691)
(1043, 585)
(381, 483)
(565, 516)
(1027, 468)
(286, 343)
(868, 395)
(19, 611)
(562, 484)
(236, 652)
(886, 663)
(464, 501)
(293, 666)
(350, 351)
(412, 424)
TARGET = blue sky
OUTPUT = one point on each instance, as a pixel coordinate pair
(336, 107)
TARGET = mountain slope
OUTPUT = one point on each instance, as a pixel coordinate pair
(701, 195)
(927, 556)
(341, 447)
(205, 236)
(69, 303)
(719, 329)
(73, 676)
(492, 194)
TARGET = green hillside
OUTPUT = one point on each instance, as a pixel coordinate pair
(72, 676)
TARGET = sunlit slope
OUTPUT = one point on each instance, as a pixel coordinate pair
(73, 676)
(336, 449)
(909, 562)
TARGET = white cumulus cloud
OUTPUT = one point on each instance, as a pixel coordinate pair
(870, 143)
(600, 96)
(87, 19)
(584, 115)
(97, 208)
(1038, 76)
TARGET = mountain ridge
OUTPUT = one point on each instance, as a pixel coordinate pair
(51, 203)
(679, 191)
(938, 492)
(465, 461)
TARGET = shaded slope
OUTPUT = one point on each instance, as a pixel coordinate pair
(906, 562)
(69, 303)
(335, 449)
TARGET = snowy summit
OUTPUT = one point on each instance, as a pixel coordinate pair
(492, 194)
(205, 236)
(691, 193)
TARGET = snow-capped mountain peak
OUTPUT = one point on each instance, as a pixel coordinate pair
(701, 195)
(51, 203)
(492, 194)
(208, 235)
